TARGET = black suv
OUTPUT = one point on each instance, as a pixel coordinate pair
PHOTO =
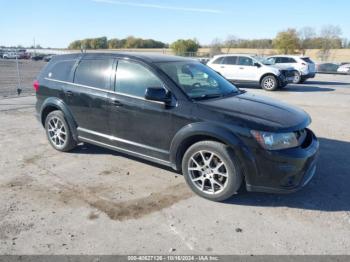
(180, 113)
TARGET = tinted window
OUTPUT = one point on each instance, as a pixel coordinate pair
(271, 60)
(61, 70)
(95, 73)
(307, 60)
(291, 60)
(230, 60)
(134, 79)
(218, 60)
(245, 61)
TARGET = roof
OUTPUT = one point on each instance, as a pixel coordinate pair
(293, 56)
(234, 54)
(147, 57)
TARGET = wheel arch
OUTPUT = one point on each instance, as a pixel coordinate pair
(196, 132)
(52, 104)
(267, 74)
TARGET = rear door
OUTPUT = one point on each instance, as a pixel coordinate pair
(230, 67)
(87, 97)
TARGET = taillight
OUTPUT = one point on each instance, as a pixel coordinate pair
(36, 85)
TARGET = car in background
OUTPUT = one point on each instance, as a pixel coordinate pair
(345, 69)
(38, 57)
(327, 68)
(48, 58)
(304, 66)
(10, 55)
(243, 68)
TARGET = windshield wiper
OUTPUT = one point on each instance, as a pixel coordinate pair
(207, 96)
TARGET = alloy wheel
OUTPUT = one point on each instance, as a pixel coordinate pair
(208, 172)
(57, 132)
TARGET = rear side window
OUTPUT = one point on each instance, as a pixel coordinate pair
(61, 70)
(230, 60)
(133, 79)
(307, 60)
(245, 61)
(94, 73)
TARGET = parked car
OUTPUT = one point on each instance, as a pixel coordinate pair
(327, 68)
(304, 66)
(177, 112)
(47, 58)
(10, 55)
(38, 57)
(345, 69)
(242, 68)
(24, 55)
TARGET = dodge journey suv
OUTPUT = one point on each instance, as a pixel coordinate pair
(179, 113)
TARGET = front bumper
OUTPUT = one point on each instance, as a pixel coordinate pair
(285, 171)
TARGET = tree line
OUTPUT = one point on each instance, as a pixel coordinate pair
(104, 43)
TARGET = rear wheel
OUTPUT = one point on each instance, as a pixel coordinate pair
(269, 83)
(58, 133)
(211, 170)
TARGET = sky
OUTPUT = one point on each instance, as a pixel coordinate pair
(56, 23)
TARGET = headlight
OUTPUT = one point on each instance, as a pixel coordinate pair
(275, 141)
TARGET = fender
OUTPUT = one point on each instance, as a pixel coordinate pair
(60, 105)
(184, 136)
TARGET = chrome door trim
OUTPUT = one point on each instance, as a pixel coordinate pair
(150, 158)
(114, 138)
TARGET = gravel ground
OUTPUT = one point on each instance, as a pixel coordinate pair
(95, 201)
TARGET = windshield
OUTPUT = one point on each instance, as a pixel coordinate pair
(197, 80)
(263, 60)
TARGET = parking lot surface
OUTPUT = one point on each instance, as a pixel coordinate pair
(95, 201)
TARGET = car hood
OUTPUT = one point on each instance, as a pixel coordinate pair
(260, 113)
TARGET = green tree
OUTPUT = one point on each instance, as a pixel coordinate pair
(287, 41)
(184, 47)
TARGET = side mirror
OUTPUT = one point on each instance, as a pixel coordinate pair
(158, 94)
(257, 65)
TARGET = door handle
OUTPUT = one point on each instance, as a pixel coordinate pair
(222, 66)
(241, 68)
(68, 93)
(115, 102)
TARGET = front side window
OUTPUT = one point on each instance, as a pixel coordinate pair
(197, 80)
(61, 70)
(245, 61)
(133, 79)
(94, 73)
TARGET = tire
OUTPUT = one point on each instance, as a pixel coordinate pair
(269, 83)
(297, 78)
(221, 166)
(58, 132)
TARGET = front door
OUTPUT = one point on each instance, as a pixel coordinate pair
(139, 125)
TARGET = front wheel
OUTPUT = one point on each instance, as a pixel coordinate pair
(211, 170)
(269, 83)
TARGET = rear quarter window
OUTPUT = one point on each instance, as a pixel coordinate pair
(60, 70)
(218, 60)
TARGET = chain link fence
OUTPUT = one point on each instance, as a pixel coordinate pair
(17, 76)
